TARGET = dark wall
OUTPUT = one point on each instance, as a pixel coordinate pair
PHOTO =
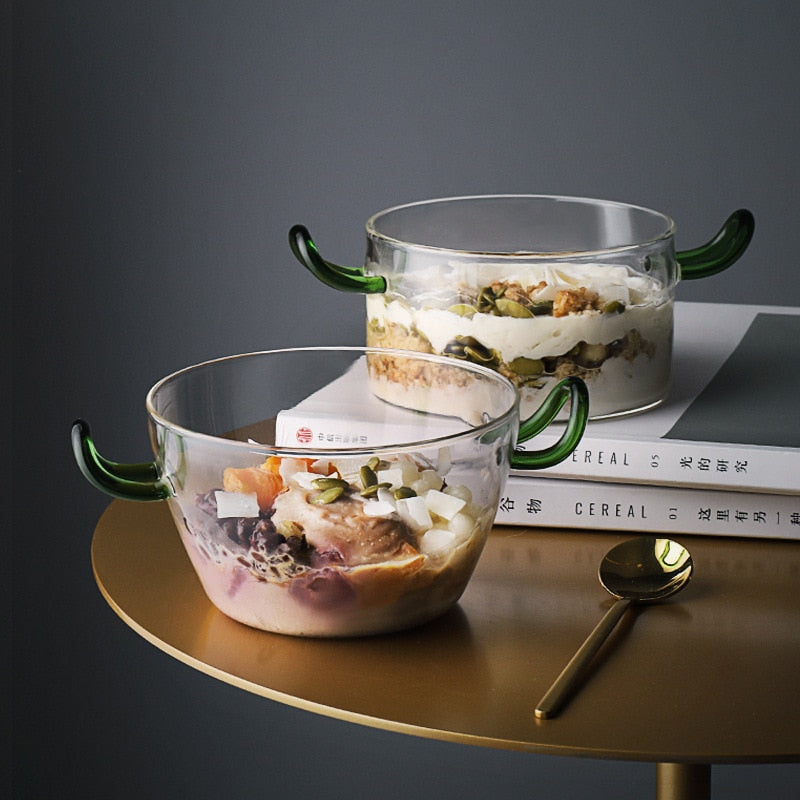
(162, 150)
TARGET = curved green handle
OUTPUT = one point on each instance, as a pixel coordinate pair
(126, 481)
(346, 279)
(722, 251)
(714, 256)
(571, 388)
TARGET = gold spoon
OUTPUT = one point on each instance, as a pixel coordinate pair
(638, 570)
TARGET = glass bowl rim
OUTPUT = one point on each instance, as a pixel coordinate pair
(667, 234)
(332, 454)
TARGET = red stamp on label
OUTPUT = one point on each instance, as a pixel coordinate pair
(304, 435)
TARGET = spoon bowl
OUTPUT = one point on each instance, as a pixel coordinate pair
(645, 569)
(641, 570)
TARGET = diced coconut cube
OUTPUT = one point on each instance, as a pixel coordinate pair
(403, 473)
(462, 525)
(459, 490)
(378, 508)
(290, 467)
(414, 511)
(349, 465)
(305, 479)
(410, 472)
(322, 466)
(428, 479)
(436, 540)
(443, 505)
(236, 504)
(385, 496)
(393, 476)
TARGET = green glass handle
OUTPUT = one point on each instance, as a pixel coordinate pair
(572, 389)
(346, 279)
(714, 256)
(722, 251)
(126, 481)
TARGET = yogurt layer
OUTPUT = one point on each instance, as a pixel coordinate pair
(608, 325)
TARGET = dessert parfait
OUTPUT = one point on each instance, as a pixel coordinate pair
(537, 324)
(537, 287)
(347, 547)
(331, 491)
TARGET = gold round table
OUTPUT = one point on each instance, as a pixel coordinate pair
(708, 677)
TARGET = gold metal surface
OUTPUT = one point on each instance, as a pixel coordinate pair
(710, 676)
(564, 685)
(682, 782)
(641, 569)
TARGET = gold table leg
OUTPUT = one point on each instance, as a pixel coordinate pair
(683, 781)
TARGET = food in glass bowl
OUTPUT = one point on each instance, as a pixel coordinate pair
(330, 547)
(317, 494)
(538, 287)
(538, 324)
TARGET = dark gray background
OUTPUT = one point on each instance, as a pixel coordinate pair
(161, 152)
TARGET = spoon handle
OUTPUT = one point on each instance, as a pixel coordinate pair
(552, 702)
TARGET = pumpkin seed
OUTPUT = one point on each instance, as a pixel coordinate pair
(592, 355)
(371, 491)
(527, 367)
(329, 483)
(463, 310)
(614, 307)
(328, 496)
(468, 341)
(376, 463)
(454, 348)
(541, 308)
(403, 492)
(480, 354)
(368, 476)
(511, 308)
(486, 300)
(470, 349)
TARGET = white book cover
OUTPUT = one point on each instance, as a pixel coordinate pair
(344, 413)
(543, 502)
(731, 420)
(732, 417)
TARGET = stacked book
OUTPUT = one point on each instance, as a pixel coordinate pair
(720, 456)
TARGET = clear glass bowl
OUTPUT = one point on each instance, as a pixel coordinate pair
(333, 491)
(537, 287)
